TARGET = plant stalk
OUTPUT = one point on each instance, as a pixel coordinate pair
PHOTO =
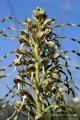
(38, 101)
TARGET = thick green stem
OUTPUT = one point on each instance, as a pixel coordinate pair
(38, 104)
(38, 101)
(37, 72)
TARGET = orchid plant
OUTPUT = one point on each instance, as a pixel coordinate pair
(41, 83)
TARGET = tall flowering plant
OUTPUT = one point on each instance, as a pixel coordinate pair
(41, 83)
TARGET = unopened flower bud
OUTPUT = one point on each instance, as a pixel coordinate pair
(28, 20)
(39, 14)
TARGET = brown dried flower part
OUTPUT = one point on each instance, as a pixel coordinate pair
(26, 93)
(2, 75)
(22, 39)
(23, 92)
(25, 33)
(18, 55)
(18, 80)
(23, 73)
(30, 68)
(21, 51)
(17, 62)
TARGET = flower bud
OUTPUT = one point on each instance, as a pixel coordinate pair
(39, 14)
(47, 23)
(28, 20)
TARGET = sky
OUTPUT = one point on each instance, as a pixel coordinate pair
(63, 10)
